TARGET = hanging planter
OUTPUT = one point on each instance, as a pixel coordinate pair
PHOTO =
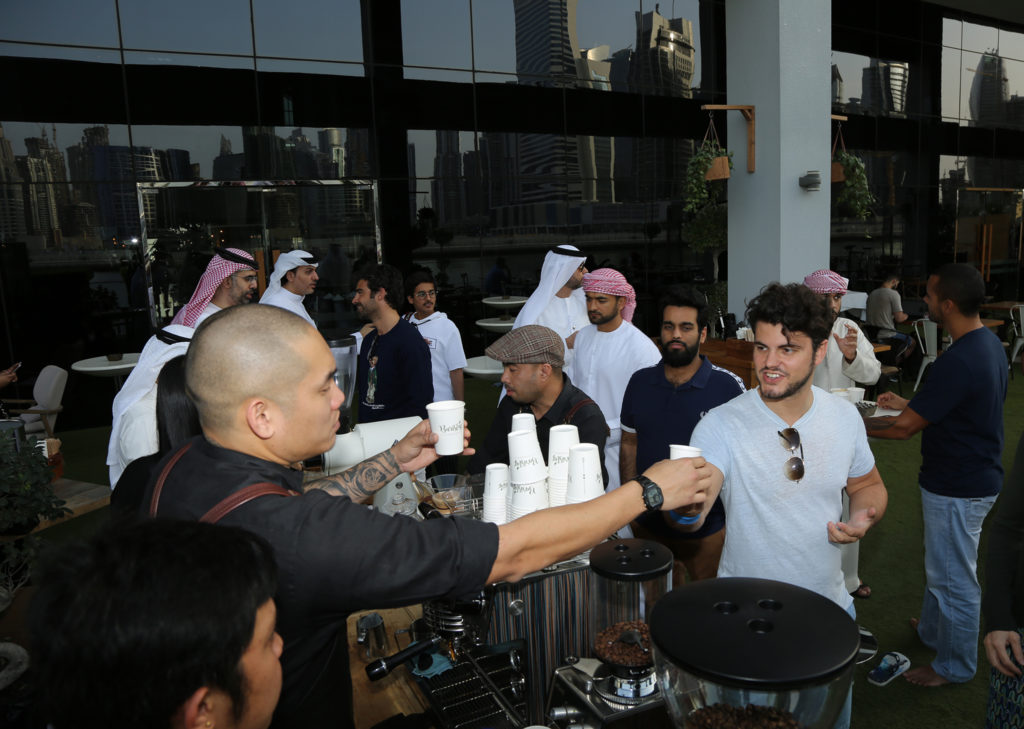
(838, 174)
(710, 163)
(854, 199)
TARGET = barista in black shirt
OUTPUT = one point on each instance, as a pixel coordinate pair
(268, 401)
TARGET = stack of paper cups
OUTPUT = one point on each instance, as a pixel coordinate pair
(524, 421)
(560, 439)
(496, 493)
(585, 480)
(527, 474)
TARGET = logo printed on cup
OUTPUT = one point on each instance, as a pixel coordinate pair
(524, 462)
(453, 428)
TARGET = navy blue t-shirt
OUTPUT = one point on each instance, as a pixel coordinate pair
(962, 400)
(661, 414)
(394, 377)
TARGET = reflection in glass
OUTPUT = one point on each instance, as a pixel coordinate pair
(45, 21)
(64, 53)
(988, 235)
(863, 85)
(952, 30)
(197, 26)
(436, 35)
(309, 29)
(1011, 45)
(333, 219)
(980, 38)
(167, 58)
(951, 59)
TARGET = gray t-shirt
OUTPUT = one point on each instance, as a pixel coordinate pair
(882, 304)
(775, 528)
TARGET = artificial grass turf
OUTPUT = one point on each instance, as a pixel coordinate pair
(891, 562)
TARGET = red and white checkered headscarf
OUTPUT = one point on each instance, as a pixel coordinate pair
(609, 281)
(826, 282)
(216, 271)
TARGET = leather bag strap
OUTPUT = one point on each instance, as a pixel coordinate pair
(244, 496)
(575, 409)
(154, 502)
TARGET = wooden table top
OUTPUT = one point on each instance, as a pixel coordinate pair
(1000, 305)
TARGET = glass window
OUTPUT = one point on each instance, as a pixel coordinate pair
(80, 22)
(952, 32)
(436, 35)
(167, 58)
(980, 38)
(309, 29)
(190, 153)
(327, 68)
(64, 53)
(1011, 45)
(863, 85)
(951, 58)
(197, 26)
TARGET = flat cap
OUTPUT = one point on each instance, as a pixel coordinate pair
(530, 344)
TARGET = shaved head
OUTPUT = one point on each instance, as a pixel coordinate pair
(241, 353)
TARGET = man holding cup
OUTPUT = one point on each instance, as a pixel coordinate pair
(270, 401)
(660, 409)
(782, 455)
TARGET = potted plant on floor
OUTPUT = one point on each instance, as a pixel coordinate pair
(26, 497)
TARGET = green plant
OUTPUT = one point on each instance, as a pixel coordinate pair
(700, 191)
(854, 199)
(26, 496)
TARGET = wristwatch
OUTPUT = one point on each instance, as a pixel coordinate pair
(653, 498)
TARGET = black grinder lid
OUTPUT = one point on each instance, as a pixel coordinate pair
(754, 633)
(630, 560)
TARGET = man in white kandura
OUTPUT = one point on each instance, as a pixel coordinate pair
(608, 352)
(557, 303)
(293, 279)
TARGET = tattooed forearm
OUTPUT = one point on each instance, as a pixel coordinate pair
(361, 481)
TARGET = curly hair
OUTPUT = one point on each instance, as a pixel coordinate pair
(795, 307)
(383, 276)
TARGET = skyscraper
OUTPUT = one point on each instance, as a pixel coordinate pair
(446, 187)
(546, 52)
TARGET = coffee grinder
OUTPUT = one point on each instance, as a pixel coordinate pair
(616, 683)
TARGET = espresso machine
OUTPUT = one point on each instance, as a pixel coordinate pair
(612, 682)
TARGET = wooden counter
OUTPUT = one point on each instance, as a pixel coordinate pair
(735, 355)
(375, 701)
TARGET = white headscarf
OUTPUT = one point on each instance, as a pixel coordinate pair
(142, 379)
(559, 265)
(285, 263)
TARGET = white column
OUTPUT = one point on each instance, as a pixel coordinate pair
(779, 60)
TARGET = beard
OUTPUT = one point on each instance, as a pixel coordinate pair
(678, 357)
(597, 319)
(789, 391)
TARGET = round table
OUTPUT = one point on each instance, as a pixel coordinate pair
(103, 367)
(484, 367)
(505, 302)
(496, 324)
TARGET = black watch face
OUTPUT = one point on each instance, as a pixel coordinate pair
(653, 497)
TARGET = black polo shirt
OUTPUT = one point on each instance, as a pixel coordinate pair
(334, 557)
(588, 419)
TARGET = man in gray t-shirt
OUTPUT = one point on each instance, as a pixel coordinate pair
(781, 456)
(885, 311)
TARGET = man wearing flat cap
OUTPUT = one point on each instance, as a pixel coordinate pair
(293, 279)
(533, 357)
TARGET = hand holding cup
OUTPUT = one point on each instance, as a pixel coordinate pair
(683, 482)
(416, 449)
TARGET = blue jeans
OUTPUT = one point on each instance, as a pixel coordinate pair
(951, 608)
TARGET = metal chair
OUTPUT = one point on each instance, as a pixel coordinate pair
(928, 340)
(1017, 322)
(41, 414)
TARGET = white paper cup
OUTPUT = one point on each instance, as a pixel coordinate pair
(496, 487)
(525, 461)
(524, 421)
(855, 394)
(560, 439)
(557, 490)
(447, 420)
(585, 480)
(683, 451)
(528, 498)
